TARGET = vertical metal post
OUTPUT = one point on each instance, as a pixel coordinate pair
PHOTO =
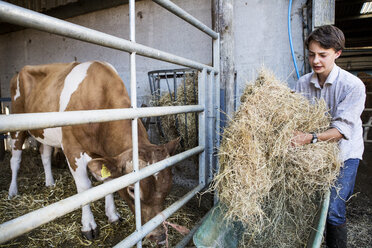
(217, 105)
(133, 94)
(202, 127)
(211, 120)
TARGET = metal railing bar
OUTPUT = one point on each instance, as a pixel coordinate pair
(31, 19)
(28, 121)
(187, 17)
(202, 81)
(216, 64)
(189, 236)
(32, 220)
(133, 97)
(211, 120)
(158, 219)
(179, 71)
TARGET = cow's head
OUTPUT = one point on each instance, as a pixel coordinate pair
(153, 189)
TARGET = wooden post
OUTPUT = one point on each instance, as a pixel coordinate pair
(323, 13)
(222, 20)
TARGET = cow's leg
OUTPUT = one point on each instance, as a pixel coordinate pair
(78, 167)
(111, 213)
(46, 156)
(17, 140)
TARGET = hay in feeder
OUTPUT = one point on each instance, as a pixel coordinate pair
(65, 231)
(181, 125)
(273, 188)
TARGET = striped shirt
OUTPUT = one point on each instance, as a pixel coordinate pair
(345, 96)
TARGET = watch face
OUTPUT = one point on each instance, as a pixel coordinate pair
(314, 139)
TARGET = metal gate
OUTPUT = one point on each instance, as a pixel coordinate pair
(207, 109)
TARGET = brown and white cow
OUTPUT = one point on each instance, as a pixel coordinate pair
(108, 146)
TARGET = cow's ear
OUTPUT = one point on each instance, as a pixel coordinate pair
(125, 161)
(172, 145)
(102, 169)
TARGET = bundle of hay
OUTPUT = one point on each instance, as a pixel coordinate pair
(273, 188)
(182, 125)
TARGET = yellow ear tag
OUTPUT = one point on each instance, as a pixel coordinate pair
(105, 172)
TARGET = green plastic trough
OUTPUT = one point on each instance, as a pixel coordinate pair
(216, 232)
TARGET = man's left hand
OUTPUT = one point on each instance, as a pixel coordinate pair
(300, 138)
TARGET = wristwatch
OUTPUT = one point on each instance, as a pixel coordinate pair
(314, 139)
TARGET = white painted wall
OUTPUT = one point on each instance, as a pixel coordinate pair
(261, 39)
(155, 27)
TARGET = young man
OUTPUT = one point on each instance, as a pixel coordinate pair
(345, 96)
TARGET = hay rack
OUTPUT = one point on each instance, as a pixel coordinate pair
(167, 82)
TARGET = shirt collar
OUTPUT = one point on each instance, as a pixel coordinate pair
(330, 79)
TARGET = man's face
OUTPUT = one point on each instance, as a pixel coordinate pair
(321, 59)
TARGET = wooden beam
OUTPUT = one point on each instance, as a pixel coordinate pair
(323, 12)
(223, 16)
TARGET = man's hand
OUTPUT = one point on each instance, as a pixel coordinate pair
(300, 138)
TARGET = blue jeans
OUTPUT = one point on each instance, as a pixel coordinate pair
(342, 192)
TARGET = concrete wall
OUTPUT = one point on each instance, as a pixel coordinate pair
(155, 27)
(261, 39)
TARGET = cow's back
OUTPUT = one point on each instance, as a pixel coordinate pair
(37, 88)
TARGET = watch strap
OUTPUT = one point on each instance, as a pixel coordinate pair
(314, 139)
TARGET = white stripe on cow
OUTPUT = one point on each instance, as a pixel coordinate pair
(82, 162)
(82, 184)
(52, 137)
(72, 82)
(18, 92)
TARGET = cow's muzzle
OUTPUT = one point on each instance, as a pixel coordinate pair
(157, 236)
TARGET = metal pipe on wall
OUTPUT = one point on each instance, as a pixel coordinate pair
(31, 19)
(16, 122)
(30, 221)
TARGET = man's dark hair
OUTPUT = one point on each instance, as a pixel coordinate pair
(328, 36)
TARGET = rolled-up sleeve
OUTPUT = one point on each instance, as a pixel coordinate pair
(348, 111)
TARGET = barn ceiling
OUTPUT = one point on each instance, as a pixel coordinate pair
(356, 27)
